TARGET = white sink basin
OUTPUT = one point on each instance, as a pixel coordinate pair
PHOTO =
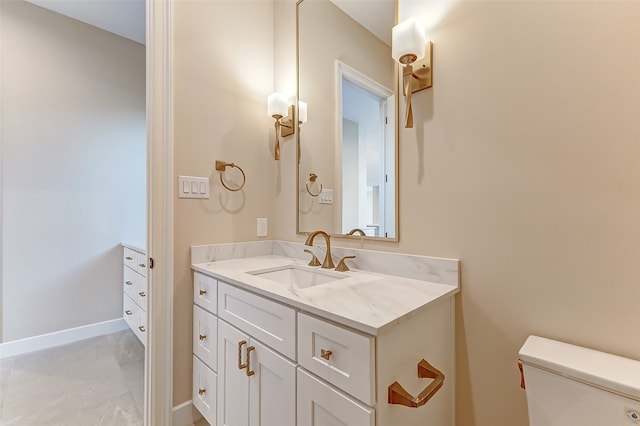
(298, 276)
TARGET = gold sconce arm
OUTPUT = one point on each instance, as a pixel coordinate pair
(416, 76)
(398, 395)
(284, 126)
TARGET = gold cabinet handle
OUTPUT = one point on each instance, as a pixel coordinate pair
(326, 354)
(128, 312)
(202, 336)
(249, 371)
(397, 394)
(142, 294)
(128, 283)
(240, 345)
(201, 391)
(129, 258)
(141, 328)
(203, 292)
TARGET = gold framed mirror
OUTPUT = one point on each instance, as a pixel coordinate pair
(347, 146)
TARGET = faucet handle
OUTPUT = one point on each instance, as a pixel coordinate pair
(314, 259)
(342, 267)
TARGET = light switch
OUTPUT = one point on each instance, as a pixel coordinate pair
(193, 187)
(326, 196)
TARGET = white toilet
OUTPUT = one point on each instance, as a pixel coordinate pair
(569, 385)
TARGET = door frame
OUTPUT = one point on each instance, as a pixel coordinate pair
(159, 349)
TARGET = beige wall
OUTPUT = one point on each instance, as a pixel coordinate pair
(223, 72)
(524, 165)
(73, 169)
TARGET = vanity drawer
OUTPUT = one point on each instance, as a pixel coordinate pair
(205, 292)
(205, 383)
(205, 336)
(270, 322)
(351, 356)
(130, 258)
(320, 404)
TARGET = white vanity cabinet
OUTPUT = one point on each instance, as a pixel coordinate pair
(277, 364)
(134, 285)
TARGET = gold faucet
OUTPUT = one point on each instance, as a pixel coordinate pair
(328, 260)
(355, 231)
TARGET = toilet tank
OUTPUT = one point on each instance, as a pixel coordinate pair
(569, 385)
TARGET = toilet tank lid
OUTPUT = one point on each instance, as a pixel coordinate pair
(612, 372)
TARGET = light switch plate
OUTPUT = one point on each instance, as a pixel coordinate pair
(326, 196)
(193, 187)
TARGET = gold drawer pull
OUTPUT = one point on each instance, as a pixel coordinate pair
(249, 371)
(141, 328)
(202, 336)
(397, 394)
(240, 345)
(325, 354)
(128, 283)
(203, 292)
(142, 265)
(128, 312)
(201, 391)
(142, 294)
(129, 258)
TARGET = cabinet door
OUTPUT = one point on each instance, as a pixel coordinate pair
(319, 404)
(233, 382)
(272, 388)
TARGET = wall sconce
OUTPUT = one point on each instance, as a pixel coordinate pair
(412, 50)
(283, 114)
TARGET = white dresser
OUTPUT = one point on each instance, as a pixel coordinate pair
(134, 284)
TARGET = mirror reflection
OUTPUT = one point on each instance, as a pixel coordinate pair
(347, 148)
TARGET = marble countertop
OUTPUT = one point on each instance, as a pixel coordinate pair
(365, 301)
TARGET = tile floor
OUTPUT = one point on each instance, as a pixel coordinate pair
(98, 381)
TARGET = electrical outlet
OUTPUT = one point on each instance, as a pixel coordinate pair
(261, 227)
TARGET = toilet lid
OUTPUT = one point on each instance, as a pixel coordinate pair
(601, 369)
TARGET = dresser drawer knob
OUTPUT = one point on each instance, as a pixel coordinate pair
(201, 391)
(128, 283)
(129, 258)
(142, 294)
(128, 312)
(325, 354)
(203, 292)
(142, 265)
(141, 328)
(203, 336)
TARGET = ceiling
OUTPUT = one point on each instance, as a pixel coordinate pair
(123, 17)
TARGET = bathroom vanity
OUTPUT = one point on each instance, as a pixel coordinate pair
(276, 342)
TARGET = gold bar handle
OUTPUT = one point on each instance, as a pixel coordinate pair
(240, 345)
(326, 354)
(521, 368)
(203, 292)
(398, 395)
(202, 337)
(201, 391)
(249, 371)
(141, 328)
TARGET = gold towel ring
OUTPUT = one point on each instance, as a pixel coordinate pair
(221, 166)
(312, 178)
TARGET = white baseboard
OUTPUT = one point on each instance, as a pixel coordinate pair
(185, 414)
(62, 337)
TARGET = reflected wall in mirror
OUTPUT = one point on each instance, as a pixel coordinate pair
(347, 149)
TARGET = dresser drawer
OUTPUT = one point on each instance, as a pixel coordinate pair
(205, 337)
(142, 294)
(205, 292)
(204, 390)
(141, 264)
(319, 404)
(141, 328)
(130, 312)
(270, 322)
(348, 360)
(130, 258)
(130, 283)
